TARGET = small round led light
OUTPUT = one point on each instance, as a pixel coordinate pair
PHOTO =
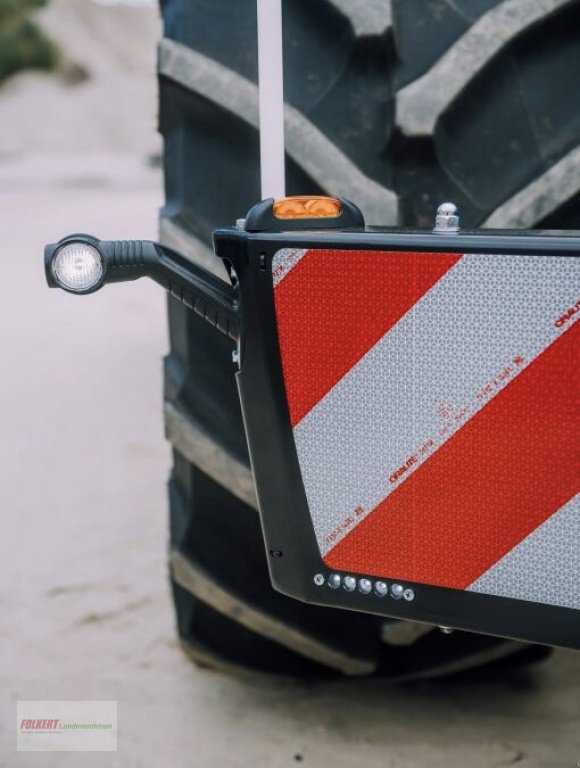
(397, 591)
(319, 579)
(334, 581)
(381, 588)
(349, 583)
(365, 586)
(77, 267)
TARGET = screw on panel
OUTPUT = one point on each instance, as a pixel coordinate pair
(447, 219)
(381, 588)
(319, 579)
(365, 586)
(334, 581)
(349, 583)
(396, 591)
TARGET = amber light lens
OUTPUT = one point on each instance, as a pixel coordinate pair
(307, 208)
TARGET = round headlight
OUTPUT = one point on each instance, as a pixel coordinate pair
(77, 267)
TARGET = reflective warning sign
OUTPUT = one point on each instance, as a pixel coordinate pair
(433, 399)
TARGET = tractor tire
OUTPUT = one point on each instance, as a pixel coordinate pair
(398, 106)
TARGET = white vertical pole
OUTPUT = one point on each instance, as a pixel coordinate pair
(270, 74)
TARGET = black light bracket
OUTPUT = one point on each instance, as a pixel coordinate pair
(197, 288)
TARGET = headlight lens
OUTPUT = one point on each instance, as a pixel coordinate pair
(77, 267)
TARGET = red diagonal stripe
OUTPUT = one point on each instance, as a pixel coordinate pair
(333, 306)
(502, 475)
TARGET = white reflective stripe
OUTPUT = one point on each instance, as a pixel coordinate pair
(284, 260)
(468, 337)
(544, 567)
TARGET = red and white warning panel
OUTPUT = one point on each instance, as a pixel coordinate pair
(434, 406)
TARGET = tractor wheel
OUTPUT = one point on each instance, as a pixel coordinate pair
(398, 106)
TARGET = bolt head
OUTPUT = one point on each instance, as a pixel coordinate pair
(381, 588)
(349, 583)
(447, 219)
(319, 579)
(334, 581)
(365, 586)
(396, 591)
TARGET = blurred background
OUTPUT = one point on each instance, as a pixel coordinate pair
(79, 77)
(86, 608)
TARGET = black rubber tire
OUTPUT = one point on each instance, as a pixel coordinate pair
(505, 148)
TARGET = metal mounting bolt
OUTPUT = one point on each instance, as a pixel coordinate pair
(397, 591)
(334, 581)
(349, 583)
(381, 588)
(365, 586)
(319, 579)
(447, 219)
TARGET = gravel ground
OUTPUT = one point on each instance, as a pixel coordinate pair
(85, 608)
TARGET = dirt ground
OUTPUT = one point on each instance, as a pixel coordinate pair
(84, 605)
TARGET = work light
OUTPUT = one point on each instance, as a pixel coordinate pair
(78, 267)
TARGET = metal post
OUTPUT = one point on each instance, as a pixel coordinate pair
(270, 73)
